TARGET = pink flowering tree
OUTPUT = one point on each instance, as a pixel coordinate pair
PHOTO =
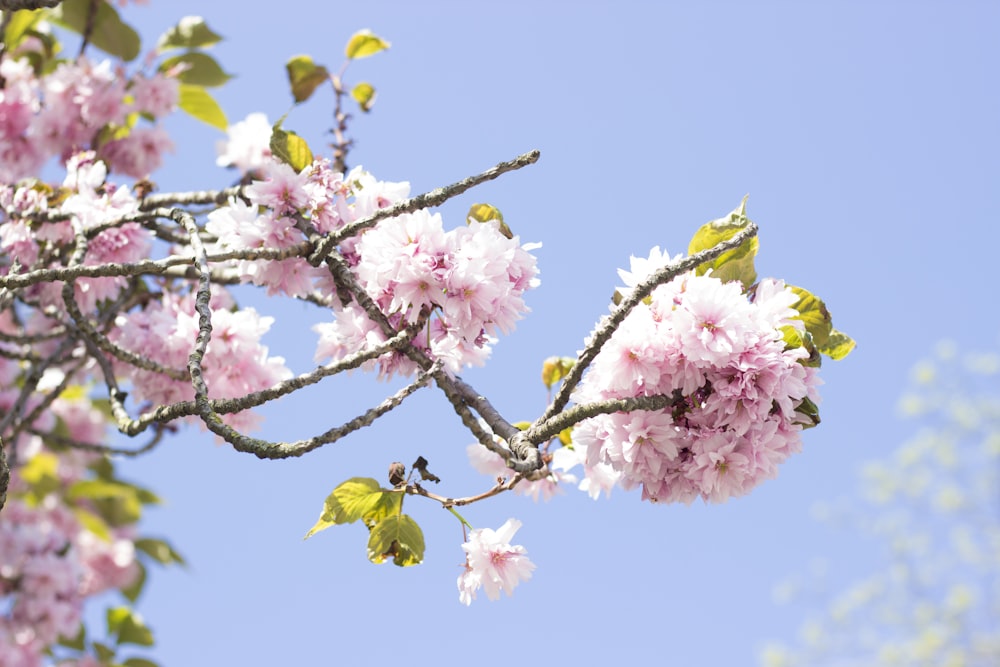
(116, 313)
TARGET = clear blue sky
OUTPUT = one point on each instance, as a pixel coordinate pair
(867, 135)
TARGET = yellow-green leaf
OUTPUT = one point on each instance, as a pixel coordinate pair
(18, 26)
(199, 69)
(93, 523)
(735, 264)
(488, 213)
(795, 338)
(40, 472)
(108, 33)
(196, 101)
(808, 414)
(103, 652)
(159, 550)
(134, 590)
(838, 345)
(290, 148)
(128, 626)
(555, 369)
(364, 43)
(364, 95)
(813, 313)
(398, 537)
(139, 662)
(77, 641)
(359, 498)
(191, 32)
(304, 76)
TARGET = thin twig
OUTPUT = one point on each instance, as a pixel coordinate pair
(426, 200)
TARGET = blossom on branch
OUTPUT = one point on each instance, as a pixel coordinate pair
(492, 563)
(735, 385)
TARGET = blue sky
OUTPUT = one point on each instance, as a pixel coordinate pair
(866, 135)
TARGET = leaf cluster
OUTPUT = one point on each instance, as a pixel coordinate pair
(391, 534)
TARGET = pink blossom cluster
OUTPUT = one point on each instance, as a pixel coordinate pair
(471, 280)
(78, 106)
(468, 282)
(93, 201)
(492, 563)
(247, 145)
(49, 562)
(235, 364)
(735, 388)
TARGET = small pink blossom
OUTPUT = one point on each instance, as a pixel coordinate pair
(492, 563)
(156, 95)
(247, 144)
(282, 190)
(139, 154)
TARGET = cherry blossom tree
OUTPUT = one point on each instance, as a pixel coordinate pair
(116, 312)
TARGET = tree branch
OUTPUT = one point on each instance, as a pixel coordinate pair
(611, 323)
(426, 200)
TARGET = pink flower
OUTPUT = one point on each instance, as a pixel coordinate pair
(283, 191)
(492, 563)
(247, 144)
(156, 96)
(139, 154)
(642, 268)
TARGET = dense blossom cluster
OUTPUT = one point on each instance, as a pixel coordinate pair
(235, 364)
(467, 282)
(50, 562)
(81, 104)
(736, 388)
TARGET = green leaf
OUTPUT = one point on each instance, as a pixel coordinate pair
(103, 467)
(103, 652)
(359, 498)
(117, 502)
(40, 472)
(735, 264)
(93, 523)
(109, 33)
(134, 590)
(363, 44)
(199, 69)
(77, 642)
(838, 345)
(304, 76)
(146, 497)
(128, 627)
(364, 95)
(20, 25)
(191, 32)
(813, 313)
(555, 369)
(159, 550)
(196, 101)
(290, 148)
(140, 662)
(487, 213)
(794, 338)
(397, 536)
(809, 413)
